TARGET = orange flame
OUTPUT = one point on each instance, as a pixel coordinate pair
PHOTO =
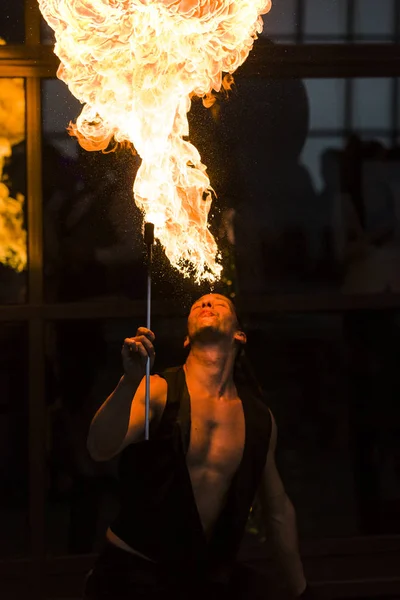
(134, 64)
(13, 251)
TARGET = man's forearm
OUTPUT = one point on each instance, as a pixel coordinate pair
(110, 424)
(282, 529)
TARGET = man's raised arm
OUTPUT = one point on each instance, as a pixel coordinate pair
(121, 418)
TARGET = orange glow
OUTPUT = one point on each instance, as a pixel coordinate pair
(12, 131)
(135, 64)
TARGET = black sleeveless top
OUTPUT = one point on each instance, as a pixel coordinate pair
(158, 514)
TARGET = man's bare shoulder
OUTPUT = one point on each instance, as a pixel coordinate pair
(158, 387)
(158, 399)
(158, 391)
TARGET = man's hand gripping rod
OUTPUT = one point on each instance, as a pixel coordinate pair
(149, 241)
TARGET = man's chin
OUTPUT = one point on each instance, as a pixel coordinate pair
(207, 333)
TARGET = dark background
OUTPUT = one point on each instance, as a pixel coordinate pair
(304, 158)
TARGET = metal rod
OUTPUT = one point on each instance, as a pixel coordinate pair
(149, 240)
(148, 325)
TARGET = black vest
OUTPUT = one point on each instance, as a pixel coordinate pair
(158, 514)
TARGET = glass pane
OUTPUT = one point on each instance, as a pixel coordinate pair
(301, 200)
(291, 208)
(83, 494)
(374, 221)
(326, 98)
(381, 185)
(372, 103)
(325, 17)
(397, 26)
(46, 33)
(316, 159)
(372, 339)
(14, 467)
(339, 458)
(13, 235)
(59, 107)
(93, 240)
(12, 25)
(281, 20)
(398, 104)
(313, 452)
(272, 193)
(373, 18)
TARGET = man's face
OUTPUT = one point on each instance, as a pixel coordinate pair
(211, 318)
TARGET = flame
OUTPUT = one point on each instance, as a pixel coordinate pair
(135, 64)
(13, 252)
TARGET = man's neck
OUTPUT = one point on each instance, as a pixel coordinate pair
(210, 367)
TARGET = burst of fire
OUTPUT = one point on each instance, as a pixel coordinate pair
(13, 252)
(135, 64)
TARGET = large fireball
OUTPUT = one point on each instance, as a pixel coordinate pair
(135, 65)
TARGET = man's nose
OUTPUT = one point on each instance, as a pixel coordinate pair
(206, 303)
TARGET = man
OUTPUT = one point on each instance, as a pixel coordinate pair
(186, 493)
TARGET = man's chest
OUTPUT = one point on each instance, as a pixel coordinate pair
(217, 436)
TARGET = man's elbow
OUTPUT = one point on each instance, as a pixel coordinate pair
(280, 508)
(288, 507)
(289, 504)
(97, 454)
(94, 454)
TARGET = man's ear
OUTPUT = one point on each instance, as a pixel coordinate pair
(186, 342)
(241, 337)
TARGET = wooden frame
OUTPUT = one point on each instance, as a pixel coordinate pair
(267, 60)
(45, 577)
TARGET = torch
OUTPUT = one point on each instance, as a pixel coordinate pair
(149, 241)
